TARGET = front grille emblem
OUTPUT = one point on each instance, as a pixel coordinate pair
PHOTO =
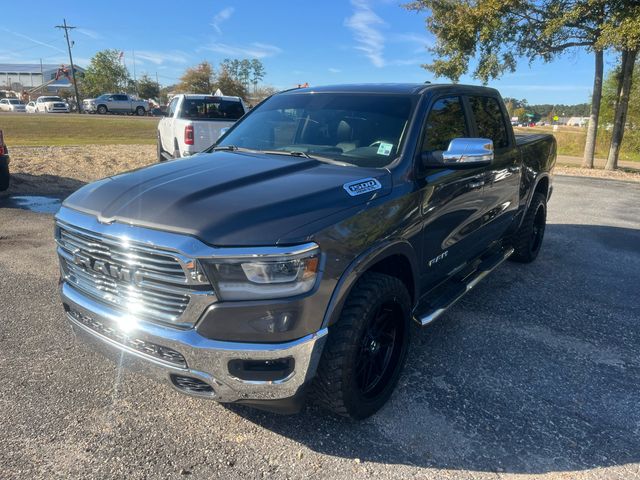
(114, 271)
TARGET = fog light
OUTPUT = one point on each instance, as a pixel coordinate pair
(262, 370)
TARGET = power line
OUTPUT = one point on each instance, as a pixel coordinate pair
(66, 29)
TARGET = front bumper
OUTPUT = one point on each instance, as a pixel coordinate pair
(169, 354)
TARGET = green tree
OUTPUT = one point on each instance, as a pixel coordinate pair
(495, 33)
(623, 33)
(198, 79)
(229, 85)
(520, 112)
(147, 88)
(245, 72)
(104, 74)
(257, 73)
(232, 66)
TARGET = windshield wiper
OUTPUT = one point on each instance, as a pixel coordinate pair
(291, 153)
(228, 148)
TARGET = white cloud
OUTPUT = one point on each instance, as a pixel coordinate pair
(220, 17)
(255, 49)
(158, 58)
(33, 40)
(334, 70)
(365, 25)
(89, 33)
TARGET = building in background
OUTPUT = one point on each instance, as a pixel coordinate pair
(36, 79)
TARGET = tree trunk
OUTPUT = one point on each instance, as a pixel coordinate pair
(596, 98)
(622, 105)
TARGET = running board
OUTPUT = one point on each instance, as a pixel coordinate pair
(484, 269)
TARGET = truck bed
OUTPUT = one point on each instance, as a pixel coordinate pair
(538, 150)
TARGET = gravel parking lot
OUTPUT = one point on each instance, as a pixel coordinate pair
(535, 373)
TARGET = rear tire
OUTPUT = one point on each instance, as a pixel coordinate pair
(366, 348)
(5, 178)
(160, 151)
(527, 241)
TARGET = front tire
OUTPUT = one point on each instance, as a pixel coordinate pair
(366, 348)
(527, 241)
(140, 111)
(102, 109)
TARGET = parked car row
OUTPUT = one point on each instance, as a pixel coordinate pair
(45, 104)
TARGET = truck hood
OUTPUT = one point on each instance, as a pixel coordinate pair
(230, 198)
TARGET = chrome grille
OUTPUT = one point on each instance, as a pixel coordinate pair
(145, 282)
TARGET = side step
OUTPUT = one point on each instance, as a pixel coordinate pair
(432, 311)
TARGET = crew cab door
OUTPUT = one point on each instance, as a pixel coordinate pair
(120, 103)
(502, 184)
(453, 204)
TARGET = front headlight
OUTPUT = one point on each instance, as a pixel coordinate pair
(265, 276)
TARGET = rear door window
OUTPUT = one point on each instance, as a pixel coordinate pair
(490, 121)
(211, 108)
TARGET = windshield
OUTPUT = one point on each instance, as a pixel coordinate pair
(366, 130)
(51, 99)
(104, 96)
(15, 102)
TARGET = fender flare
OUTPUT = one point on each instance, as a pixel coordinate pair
(360, 265)
(534, 186)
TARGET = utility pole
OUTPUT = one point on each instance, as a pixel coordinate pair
(135, 80)
(66, 29)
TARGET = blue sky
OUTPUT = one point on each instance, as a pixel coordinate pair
(322, 42)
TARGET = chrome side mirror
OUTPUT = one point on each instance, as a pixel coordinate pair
(468, 151)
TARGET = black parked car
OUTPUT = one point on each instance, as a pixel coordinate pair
(4, 165)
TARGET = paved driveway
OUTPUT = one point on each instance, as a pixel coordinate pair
(537, 371)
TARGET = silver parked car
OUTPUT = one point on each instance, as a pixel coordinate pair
(115, 103)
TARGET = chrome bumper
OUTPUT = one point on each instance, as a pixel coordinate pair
(204, 359)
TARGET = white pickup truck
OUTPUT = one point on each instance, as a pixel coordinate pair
(194, 122)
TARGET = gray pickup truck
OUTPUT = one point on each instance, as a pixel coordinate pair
(290, 259)
(115, 103)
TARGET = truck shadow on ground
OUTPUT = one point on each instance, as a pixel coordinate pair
(38, 193)
(537, 370)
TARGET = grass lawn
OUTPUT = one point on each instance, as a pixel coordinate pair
(571, 141)
(63, 129)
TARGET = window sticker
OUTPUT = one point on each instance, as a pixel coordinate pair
(385, 149)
